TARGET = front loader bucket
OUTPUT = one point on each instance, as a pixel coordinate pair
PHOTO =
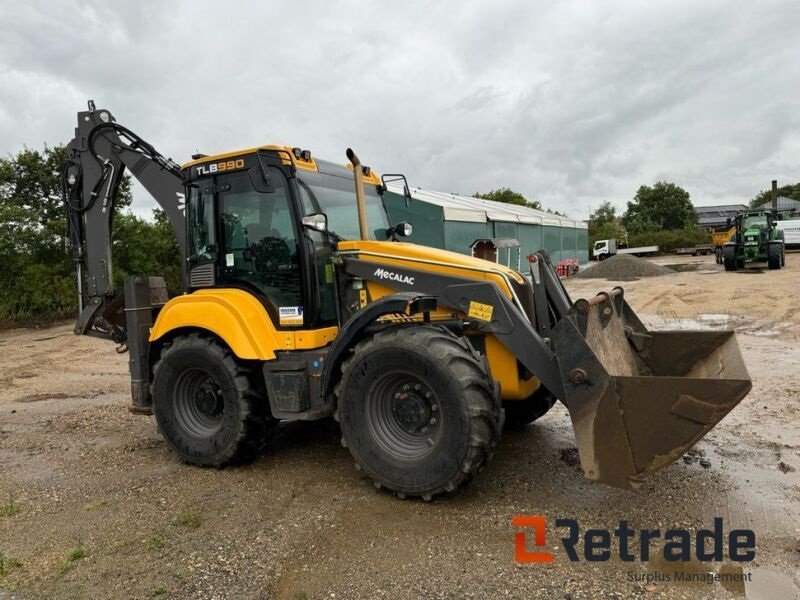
(638, 399)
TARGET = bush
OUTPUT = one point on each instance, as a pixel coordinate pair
(40, 285)
(671, 240)
(37, 281)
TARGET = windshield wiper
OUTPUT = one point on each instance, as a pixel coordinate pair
(336, 237)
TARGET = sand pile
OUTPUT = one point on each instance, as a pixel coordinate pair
(622, 267)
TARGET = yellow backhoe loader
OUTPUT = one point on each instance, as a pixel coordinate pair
(301, 301)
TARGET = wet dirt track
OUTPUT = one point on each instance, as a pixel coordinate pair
(78, 471)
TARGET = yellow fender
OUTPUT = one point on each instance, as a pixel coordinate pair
(233, 315)
(237, 318)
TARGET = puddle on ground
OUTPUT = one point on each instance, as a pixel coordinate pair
(768, 585)
(753, 583)
(682, 267)
(41, 397)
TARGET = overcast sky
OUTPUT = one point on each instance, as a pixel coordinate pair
(571, 103)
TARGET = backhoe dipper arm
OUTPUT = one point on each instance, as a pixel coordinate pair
(99, 154)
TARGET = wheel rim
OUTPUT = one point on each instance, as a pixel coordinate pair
(404, 415)
(199, 403)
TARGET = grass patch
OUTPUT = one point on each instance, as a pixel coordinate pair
(76, 553)
(160, 590)
(95, 505)
(189, 519)
(7, 563)
(156, 542)
(9, 509)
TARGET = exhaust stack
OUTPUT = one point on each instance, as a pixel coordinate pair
(361, 203)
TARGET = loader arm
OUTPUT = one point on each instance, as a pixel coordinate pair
(100, 153)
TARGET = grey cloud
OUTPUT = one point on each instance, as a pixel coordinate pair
(572, 103)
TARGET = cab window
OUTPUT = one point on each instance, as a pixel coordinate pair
(200, 215)
(259, 242)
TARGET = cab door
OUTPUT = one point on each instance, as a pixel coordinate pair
(260, 244)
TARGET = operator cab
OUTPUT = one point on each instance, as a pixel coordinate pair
(244, 211)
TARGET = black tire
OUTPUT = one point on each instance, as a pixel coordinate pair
(718, 255)
(774, 256)
(520, 413)
(211, 410)
(729, 258)
(418, 410)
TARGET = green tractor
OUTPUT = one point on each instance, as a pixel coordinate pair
(757, 240)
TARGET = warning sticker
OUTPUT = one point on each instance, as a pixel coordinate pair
(291, 315)
(480, 311)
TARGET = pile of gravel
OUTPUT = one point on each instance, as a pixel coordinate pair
(622, 267)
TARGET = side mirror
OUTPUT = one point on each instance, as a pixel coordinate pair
(317, 222)
(729, 221)
(402, 229)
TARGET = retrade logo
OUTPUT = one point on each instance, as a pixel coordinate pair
(521, 552)
(599, 545)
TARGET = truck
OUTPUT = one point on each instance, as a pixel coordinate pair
(604, 249)
(720, 237)
(790, 228)
(699, 250)
(301, 301)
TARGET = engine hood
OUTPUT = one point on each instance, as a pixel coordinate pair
(405, 250)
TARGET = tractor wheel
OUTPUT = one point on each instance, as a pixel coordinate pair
(211, 410)
(729, 258)
(718, 255)
(520, 413)
(418, 409)
(774, 256)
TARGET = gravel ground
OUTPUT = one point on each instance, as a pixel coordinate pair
(92, 503)
(623, 267)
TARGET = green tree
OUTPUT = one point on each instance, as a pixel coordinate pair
(37, 274)
(37, 280)
(664, 206)
(605, 213)
(508, 196)
(787, 191)
(558, 213)
(146, 247)
(604, 224)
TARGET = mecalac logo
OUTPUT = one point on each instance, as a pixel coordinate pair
(384, 274)
(598, 545)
